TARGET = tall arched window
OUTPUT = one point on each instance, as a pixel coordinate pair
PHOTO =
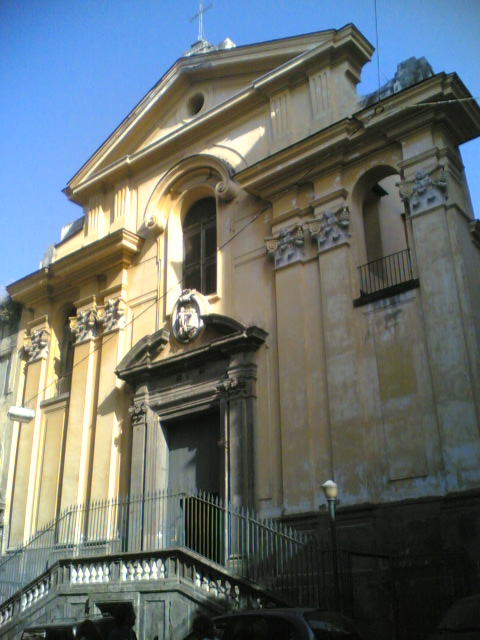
(200, 247)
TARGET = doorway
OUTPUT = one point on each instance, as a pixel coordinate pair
(194, 452)
(195, 467)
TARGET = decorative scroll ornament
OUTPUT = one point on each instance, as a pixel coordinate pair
(38, 347)
(186, 320)
(113, 314)
(155, 222)
(84, 326)
(285, 248)
(425, 191)
(330, 228)
(226, 190)
(138, 413)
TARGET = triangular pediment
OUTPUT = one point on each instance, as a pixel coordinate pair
(198, 88)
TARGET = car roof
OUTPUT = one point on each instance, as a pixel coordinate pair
(284, 611)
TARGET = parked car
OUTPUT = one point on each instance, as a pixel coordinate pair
(285, 624)
(68, 628)
(461, 622)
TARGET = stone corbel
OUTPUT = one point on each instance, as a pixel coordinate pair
(112, 316)
(37, 344)
(330, 228)
(286, 247)
(85, 325)
(426, 190)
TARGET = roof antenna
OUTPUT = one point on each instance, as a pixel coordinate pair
(199, 15)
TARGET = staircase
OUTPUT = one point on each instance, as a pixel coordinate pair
(189, 547)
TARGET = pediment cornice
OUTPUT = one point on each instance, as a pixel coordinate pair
(116, 250)
(277, 64)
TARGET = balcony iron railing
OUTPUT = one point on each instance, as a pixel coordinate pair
(287, 562)
(386, 275)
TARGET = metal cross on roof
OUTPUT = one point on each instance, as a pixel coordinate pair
(199, 15)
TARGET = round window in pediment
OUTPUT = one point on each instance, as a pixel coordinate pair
(195, 104)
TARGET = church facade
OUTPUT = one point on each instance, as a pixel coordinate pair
(274, 282)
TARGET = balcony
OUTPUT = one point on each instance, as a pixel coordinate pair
(386, 277)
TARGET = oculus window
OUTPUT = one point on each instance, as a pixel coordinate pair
(200, 247)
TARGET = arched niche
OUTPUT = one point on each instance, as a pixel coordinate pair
(379, 221)
(62, 349)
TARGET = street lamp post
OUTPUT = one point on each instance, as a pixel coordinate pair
(330, 489)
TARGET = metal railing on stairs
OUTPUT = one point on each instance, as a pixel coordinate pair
(274, 556)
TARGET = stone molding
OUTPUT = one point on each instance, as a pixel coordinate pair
(428, 189)
(85, 325)
(112, 316)
(38, 344)
(330, 228)
(286, 247)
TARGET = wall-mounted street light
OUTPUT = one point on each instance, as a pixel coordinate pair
(21, 414)
(330, 489)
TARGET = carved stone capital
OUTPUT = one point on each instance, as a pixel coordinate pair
(235, 386)
(330, 228)
(138, 414)
(286, 247)
(112, 316)
(426, 190)
(85, 325)
(37, 345)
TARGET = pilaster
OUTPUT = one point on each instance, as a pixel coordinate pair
(81, 418)
(329, 230)
(436, 215)
(238, 390)
(109, 440)
(36, 349)
(300, 356)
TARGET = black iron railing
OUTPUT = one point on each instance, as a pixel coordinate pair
(386, 273)
(272, 555)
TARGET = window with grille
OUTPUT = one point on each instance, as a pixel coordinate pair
(200, 247)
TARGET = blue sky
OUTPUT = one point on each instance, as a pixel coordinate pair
(71, 70)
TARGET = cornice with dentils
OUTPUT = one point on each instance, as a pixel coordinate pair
(347, 42)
